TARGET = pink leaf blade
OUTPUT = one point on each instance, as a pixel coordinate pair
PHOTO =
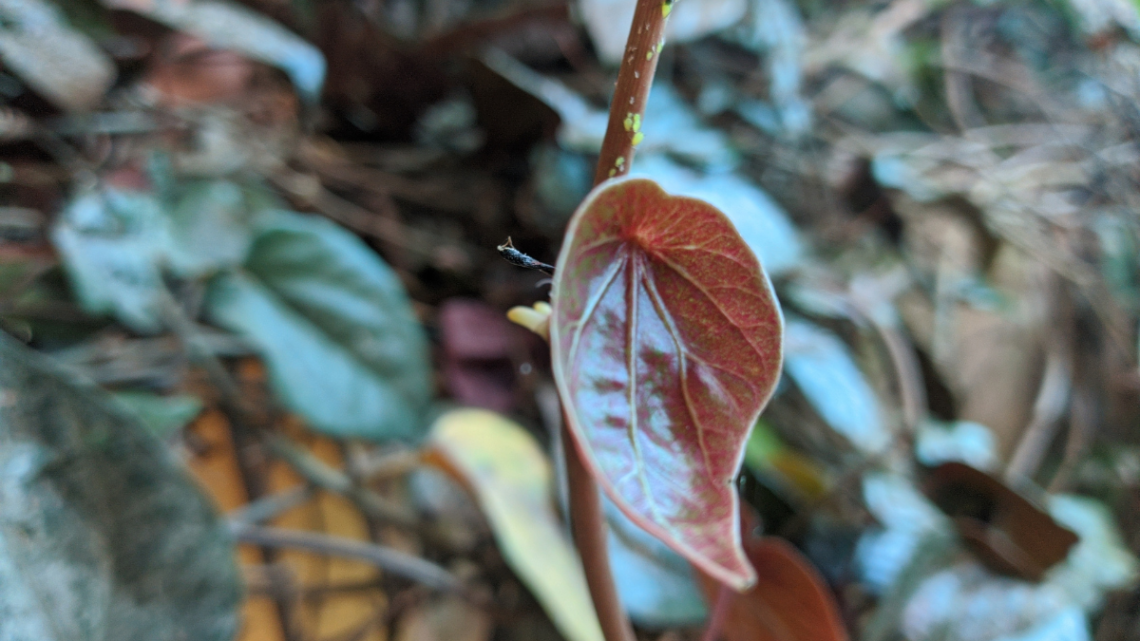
(667, 343)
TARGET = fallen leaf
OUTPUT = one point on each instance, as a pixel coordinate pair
(477, 345)
(1008, 534)
(511, 478)
(188, 70)
(666, 341)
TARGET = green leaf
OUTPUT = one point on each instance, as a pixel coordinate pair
(509, 474)
(112, 242)
(162, 415)
(102, 535)
(825, 371)
(116, 244)
(60, 63)
(209, 226)
(334, 325)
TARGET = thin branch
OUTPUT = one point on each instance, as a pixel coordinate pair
(635, 78)
(271, 506)
(623, 134)
(326, 477)
(1055, 392)
(386, 558)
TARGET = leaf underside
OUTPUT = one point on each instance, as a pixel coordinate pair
(666, 339)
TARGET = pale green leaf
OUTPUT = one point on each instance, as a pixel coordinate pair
(334, 325)
(112, 242)
(510, 476)
(231, 26)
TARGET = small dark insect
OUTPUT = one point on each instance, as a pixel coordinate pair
(515, 257)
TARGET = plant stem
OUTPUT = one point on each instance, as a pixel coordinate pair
(623, 134)
(639, 63)
(719, 612)
(588, 523)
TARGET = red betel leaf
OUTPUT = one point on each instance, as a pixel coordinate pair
(666, 338)
(790, 602)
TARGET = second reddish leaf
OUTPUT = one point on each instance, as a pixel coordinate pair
(790, 602)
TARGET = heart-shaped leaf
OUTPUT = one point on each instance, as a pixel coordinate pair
(666, 338)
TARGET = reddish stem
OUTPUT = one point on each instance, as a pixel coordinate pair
(719, 613)
(588, 523)
(623, 133)
(642, 49)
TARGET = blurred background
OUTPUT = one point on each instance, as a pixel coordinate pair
(248, 283)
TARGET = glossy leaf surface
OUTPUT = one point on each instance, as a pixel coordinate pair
(666, 339)
(509, 474)
(790, 602)
(657, 587)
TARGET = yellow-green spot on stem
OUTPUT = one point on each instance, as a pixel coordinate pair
(613, 172)
(619, 161)
(635, 122)
(666, 7)
(637, 138)
(629, 122)
(649, 54)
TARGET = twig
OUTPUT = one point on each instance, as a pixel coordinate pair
(268, 507)
(389, 465)
(719, 613)
(1082, 423)
(635, 78)
(318, 473)
(388, 559)
(1053, 396)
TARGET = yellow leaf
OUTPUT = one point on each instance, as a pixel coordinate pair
(510, 476)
